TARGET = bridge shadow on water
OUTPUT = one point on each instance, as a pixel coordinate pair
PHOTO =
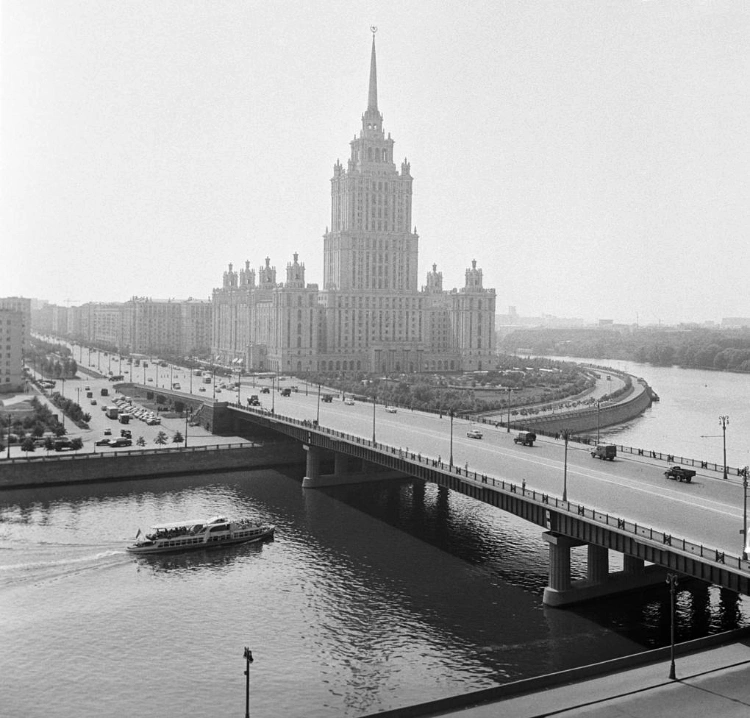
(506, 550)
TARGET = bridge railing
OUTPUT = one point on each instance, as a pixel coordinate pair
(93, 456)
(653, 536)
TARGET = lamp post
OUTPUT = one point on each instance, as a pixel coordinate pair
(672, 581)
(273, 394)
(724, 422)
(745, 471)
(188, 414)
(566, 435)
(598, 402)
(171, 377)
(374, 404)
(510, 391)
(450, 464)
(317, 418)
(248, 655)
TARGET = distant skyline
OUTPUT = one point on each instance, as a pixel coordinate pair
(593, 157)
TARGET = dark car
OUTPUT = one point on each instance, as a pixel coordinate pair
(103, 442)
(527, 438)
(122, 441)
(265, 390)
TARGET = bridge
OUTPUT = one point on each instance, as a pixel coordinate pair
(626, 506)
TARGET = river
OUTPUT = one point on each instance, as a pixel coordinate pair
(685, 422)
(369, 597)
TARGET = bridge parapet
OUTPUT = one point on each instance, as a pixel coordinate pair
(565, 518)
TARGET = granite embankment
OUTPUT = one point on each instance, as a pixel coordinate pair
(632, 403)
(148, 463)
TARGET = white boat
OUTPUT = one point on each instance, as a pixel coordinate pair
(193, 534)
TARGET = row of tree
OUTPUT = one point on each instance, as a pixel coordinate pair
(690, 347)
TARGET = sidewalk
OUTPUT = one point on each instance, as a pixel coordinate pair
(710, 684)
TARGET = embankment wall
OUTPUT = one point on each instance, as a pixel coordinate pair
(150, 463)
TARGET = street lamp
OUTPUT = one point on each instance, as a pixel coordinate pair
(598, 402)
(745, 471)
(451, 414)
(188, 414)
(566, 435)
(672, 581)
(374, 404)
(248, 655)
(724, 422)
(317, 418)
(510, 391)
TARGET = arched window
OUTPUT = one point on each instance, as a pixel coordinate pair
(369, 153)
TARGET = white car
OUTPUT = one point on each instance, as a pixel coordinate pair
(349, 402)
(390, 409)
(474, 434)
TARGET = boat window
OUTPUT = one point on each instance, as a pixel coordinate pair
(224, 527)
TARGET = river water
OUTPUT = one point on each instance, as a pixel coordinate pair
(369, 597)
(685, 422)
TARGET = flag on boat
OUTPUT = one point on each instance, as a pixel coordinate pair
(138, 534)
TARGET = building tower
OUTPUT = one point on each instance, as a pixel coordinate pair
(370, 246)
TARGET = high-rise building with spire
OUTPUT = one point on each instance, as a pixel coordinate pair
(370, 314)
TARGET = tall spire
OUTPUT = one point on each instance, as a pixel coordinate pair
(372, 99)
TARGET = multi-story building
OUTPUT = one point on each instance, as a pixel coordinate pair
(15, 334)
(370, 314)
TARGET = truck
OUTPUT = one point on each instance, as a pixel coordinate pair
(677, 473)
(604, 451)
(328, 398)
(112, 412)
(104, 391)
(253, 400)
(124, 418)
(527, 438)
(286, 391)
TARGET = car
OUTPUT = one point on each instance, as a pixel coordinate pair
(349, 402)
(527, 438)
(122, 441)
(88, 388)
(265, 390)
(93, 402)
(604, 451)
(391, 409)
(104, 407)
(203, 388)
(150, 379)
(103, 442)
(474, 434)
(108, 432)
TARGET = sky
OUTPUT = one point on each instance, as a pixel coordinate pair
(592, 156)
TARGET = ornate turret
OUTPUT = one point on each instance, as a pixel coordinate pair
(295, 274)
(267, 275)
(434, 281)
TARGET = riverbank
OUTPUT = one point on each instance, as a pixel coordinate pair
(147, 463)
(638, 686)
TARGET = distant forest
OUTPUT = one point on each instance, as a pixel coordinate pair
(695, 348)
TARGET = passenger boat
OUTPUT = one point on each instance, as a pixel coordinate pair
(199, 534)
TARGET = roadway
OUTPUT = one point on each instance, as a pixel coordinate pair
(708, 511)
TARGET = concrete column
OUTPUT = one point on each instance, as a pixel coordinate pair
(312, 472)
(597, 568)
(632, 564)
(559, 560)
(340, 464)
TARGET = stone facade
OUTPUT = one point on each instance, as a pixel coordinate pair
(370, 314)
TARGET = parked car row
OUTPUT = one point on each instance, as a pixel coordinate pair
(128, 408)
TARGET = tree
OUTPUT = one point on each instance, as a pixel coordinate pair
(28, 444)
(76, 443)
(178, 438)
(140, 441)
(161, 438)
(49, 444)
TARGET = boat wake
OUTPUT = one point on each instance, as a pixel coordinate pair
(48, 562)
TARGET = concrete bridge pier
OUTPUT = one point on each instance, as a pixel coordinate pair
(599, 582)
(345, 471)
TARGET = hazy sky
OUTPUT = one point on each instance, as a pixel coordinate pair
(592, 156)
